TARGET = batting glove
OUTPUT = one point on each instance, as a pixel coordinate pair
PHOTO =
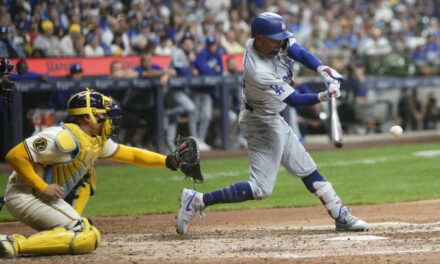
(332, 80)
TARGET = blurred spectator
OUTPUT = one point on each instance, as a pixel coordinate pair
(76, 72)
(363, 109)
(431, 112)
(117, 71)
(231, 44)
(31, 34)
(208, 62)
(67, 42)
(23, 73)
(206, 30)
(179, 102)
(141, 40)
(150, 70)
(427, 56)
(409, 114)
(58, 100)
(47, 42)
(374, 44)
(164, 48)
(93, 47)
(139, 104)
(8, 48)
(118, 48)
(237, 139)
(78, 46)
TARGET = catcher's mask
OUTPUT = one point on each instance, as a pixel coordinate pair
(91, 102)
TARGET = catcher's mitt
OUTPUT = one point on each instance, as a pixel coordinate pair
(186, 157)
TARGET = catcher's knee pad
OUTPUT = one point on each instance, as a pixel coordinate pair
(84, 238)
(87, 238)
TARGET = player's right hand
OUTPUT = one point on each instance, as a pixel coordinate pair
(53, 192)
(332, 80)
(334, 90)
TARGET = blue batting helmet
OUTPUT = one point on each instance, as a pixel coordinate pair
(270, 25)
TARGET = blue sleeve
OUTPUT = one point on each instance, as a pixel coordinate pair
(296, 99)
(200, 63)
(220, 62)
(304, 56)
(156, 67)
(183, 71)
(139, 70)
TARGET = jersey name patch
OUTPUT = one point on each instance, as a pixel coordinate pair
(40, 144)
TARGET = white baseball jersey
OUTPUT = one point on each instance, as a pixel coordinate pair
(43, 150)
(271, 141)
(266, 80)
(24, 203)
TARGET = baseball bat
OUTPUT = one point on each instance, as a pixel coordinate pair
(335, 124)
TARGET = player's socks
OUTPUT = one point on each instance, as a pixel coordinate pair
(313, 177)
(237, 192)
(323, 189)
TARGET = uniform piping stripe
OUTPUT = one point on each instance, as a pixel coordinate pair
(56, 208)
(28, 152)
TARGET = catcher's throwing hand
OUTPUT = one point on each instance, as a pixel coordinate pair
(186, 157)
(53, 192)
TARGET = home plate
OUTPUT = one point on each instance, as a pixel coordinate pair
(356, 238)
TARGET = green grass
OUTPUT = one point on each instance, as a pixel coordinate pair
(362, 176)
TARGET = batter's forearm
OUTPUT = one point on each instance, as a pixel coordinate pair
(296, 99)
(19, 160)
(139, 157)
(304, 56)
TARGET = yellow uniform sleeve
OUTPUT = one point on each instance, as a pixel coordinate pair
(140, 157)
(21, 163)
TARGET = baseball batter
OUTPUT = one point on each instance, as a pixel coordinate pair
(54, 177)
(267, 72)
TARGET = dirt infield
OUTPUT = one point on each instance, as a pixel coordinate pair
(401, 233)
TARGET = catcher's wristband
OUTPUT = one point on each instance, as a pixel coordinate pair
(171, 162)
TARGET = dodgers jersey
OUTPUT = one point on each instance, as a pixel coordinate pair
(266, 79)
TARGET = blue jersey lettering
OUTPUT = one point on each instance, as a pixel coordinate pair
(279, 89)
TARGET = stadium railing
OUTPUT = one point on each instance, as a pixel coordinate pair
(13, 124)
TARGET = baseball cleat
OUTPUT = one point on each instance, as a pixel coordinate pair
(7, 249)
(348, 222)
(190, 203)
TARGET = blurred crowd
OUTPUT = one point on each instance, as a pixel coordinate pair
(392, 37)
(357, 38)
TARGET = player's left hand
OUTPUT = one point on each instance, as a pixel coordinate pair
(186, 157)
(332, 80)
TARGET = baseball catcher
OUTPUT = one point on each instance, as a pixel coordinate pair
(54, 176)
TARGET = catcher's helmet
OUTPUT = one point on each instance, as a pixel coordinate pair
(270, 25)
(6, 67)
(90, 102)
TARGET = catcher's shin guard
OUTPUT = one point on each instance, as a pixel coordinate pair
(81, 240)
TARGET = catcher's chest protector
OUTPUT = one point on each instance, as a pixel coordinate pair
(84, 151)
